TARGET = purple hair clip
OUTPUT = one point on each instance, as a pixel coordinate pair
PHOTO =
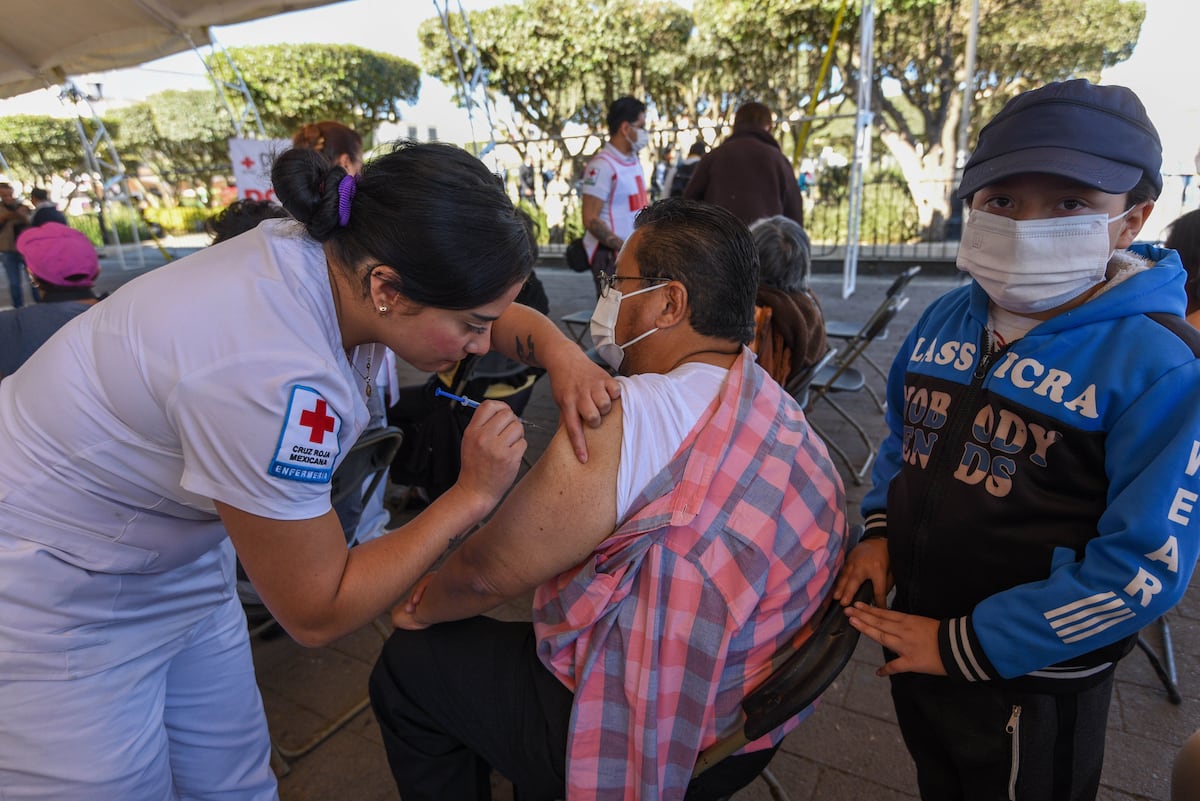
(347, 187)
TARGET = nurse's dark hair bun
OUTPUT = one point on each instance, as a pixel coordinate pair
(431, 213)
(307, 186)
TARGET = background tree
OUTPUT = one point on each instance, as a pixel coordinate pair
(297, 83)
(920, 71)
(564, 61)
(561, 61)
(182, 136)
(39, 147)
(761, 50)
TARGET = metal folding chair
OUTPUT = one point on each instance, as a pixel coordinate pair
(852, 333)
(790, 689)
(842, 376)
(577, 323)
(1164, 666)
(797, 386)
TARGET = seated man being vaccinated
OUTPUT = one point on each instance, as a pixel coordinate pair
(670, 571)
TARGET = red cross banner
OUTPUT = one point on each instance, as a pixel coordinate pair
(251, 160)
(308, 444)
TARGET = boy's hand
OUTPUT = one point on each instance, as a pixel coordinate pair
(913, 637)
(868, 560)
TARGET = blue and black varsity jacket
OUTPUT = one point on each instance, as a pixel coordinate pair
(1042, 501)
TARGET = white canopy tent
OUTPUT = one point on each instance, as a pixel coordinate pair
(48, 44)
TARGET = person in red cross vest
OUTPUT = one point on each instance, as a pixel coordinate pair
(197, 415)
(614, 186)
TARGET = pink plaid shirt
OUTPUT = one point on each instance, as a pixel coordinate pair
(681, 612)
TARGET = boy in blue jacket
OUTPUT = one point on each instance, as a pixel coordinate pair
(1037, 501)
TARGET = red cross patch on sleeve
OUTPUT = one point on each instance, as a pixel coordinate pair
(308, 444)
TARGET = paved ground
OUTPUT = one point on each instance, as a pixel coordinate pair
(849, 750)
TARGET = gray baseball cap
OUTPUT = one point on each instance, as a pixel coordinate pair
(1099, 136)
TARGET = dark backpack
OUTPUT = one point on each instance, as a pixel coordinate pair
(683, 174)
(576, 256)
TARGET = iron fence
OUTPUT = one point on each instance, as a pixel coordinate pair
(889, 224)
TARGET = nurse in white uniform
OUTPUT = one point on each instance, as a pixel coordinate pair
(202, 408)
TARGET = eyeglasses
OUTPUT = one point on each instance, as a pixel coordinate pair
(606, 281)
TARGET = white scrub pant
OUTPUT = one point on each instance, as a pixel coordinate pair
(184, 720)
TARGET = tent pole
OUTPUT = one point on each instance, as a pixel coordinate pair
(477, 83)
(236, 86)
(862, 146)
(104, 164)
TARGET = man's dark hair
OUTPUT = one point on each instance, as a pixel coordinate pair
(624, 109)
(711, 253)
(698, 149)
(38, 195)
(241, 216)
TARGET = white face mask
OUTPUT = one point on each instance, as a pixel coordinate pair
(604, 323)
(1030, 266)
(640, 139)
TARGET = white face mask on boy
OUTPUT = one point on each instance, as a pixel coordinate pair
(604, 322)
(1031, 266)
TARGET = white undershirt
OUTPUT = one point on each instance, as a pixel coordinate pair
(658, 411)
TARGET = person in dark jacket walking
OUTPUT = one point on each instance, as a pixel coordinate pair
(748, 174)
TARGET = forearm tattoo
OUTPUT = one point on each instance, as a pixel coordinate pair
(451, 546)
(526, 352)
(599, 229)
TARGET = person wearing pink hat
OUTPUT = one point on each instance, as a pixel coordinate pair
(63, 266)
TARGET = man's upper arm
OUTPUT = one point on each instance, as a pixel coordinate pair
(592, 206)
(553, 519)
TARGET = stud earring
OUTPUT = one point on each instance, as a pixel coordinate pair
(382, 310)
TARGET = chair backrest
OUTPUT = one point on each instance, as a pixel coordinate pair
(894, 292)
(807, 673)
(827, 379)
(902, 280)
(798, 386)
(884, 319)
(368, 458)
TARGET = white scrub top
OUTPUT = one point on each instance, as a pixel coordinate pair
(220, 376)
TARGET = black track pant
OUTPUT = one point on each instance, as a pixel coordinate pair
(983, 742)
